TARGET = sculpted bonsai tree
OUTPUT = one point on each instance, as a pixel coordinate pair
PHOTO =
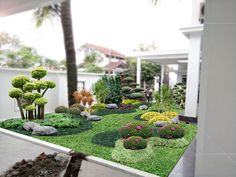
(29, 93)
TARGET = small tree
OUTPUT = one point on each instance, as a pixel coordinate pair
(29, 93)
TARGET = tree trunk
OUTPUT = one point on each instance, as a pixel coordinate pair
(41, 113)
(31, 115)
(66, 22)
(21, 110)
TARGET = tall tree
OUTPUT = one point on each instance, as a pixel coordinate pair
(63, 11)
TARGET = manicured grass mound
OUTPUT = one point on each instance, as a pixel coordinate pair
(172, 143)
(135, 143)
(171, 131)
(136, 129)
(61, 109)
(123, 155)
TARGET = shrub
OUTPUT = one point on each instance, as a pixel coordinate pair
(135, 142)
(126, 89)
(30, 107)
(41, 101)
(136, 95)
(39, 73)
(30, 86)
(128, 79)
(50, 84)
(19, 81)
(136, 129)
(123, 155)
(29, 96)
(100, 90)
(149, 115)
(40, 85)
(74, 111)
(172, 143)
(78, 106)
(171, 131)
(131, 102)
(60, 121)
(159, 118)
(179, 92)
(12, 123)
(138, 89)
(125, 106)
(15, 93)
(134, 84)
(170, 114)
(61, 109)
(98, 106)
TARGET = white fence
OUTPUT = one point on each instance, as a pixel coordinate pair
(56, 96)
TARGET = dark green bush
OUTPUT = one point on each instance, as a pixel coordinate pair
(74, 111)
(138, 89)
(135, 142)
(78, 106)
(134, 84)
(128, 79)
(12, 123)
(136, 129)
(126, 89)
(171, 131)
(136, 95)
(61, 109)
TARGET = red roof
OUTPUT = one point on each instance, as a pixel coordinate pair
(105, 51)
(113, 65)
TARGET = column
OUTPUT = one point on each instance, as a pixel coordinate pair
(162, 74)
(216, 142)
(138, 71)
(193, 75)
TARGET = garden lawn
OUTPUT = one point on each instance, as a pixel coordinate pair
(98, 140)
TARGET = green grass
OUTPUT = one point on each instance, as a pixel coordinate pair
(98, 139)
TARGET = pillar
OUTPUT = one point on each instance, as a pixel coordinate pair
(162, 74)
(216, 142)
(138, 74)
(191, 102)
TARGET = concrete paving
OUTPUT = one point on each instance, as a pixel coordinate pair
(13, 150)
(186, 164)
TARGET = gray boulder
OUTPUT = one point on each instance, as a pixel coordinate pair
(84, 114)
(94, 118)
(161, 124)
(143, 107)
(28, 126)
(112, 106)
(175, 120)
(44, 130)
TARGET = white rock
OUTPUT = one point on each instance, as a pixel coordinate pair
(160, 123)
(30, 125)
(84, 114)
(143, 107)
(94, 118)
(112, 106)
(44, 130)
(175, 120)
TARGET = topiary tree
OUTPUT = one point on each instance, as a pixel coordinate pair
(29, 93)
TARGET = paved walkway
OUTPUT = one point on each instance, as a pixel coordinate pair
(186, 164)
(13, 150)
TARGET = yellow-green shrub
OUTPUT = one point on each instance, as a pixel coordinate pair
(159, 118)
(170, 114)
(149, 115)
(130, 102)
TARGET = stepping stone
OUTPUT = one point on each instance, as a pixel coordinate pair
(28, 126)
(94, 118)
(44, 130)
(85, 114)
(175, 120)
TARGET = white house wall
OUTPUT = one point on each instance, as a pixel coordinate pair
(56, 96)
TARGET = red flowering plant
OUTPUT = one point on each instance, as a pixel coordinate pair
(135, 142)
(125, 106)
(136, 129)
(171, 131)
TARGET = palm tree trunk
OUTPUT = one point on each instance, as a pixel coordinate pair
(66, 22)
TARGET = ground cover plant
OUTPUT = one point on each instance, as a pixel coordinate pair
(100, 138)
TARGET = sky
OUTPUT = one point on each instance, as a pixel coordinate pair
(118, 24)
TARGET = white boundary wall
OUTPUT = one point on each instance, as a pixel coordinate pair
(56, 96)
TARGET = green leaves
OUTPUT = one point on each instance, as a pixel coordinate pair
(15, 93)
(39, 73)
(19, 81)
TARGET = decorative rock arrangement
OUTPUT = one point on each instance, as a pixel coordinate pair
(38, 129)
(112, 106)
(143, 107)
(30, 125)
(44, 130)
(94, 118)
(85, 114)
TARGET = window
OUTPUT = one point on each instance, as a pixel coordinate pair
(184, 79)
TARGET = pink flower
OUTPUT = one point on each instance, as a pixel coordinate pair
(137, 140)
(173, 128)
(139, 127)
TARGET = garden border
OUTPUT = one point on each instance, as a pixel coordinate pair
(99, 161)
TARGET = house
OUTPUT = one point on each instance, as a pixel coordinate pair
(103, 55)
